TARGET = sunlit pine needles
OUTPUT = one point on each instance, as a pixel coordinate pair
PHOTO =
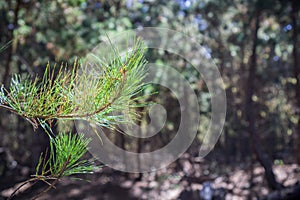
(95, 91)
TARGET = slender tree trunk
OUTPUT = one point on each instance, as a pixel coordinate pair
(11, 37)
(254, 139)
(139, 150)
(294, 13)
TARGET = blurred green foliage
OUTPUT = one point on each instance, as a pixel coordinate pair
(59, 31)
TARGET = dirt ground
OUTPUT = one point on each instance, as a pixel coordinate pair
(168, 184)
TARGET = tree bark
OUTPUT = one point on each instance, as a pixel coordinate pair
(295, 8)
(250, 117)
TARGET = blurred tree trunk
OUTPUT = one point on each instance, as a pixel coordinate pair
(250, 117)
(295, 9)
(11, 37)
(139, 150)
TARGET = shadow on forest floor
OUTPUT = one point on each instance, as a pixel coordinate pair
(169, 183)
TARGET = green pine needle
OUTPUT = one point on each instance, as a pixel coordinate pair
(66, 150)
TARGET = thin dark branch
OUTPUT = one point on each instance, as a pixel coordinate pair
(63, 169)
(24, 183)
(32, 121)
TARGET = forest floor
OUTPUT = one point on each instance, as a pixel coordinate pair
(181, 180)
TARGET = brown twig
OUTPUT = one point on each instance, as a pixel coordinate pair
(63, 169)
(19, 187)
(32, 121)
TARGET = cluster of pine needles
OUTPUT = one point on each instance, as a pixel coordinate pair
(92, 90)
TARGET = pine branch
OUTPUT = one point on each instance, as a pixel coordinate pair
(86, 93)
(74, 95)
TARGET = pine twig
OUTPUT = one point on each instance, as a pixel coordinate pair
(56, 179)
